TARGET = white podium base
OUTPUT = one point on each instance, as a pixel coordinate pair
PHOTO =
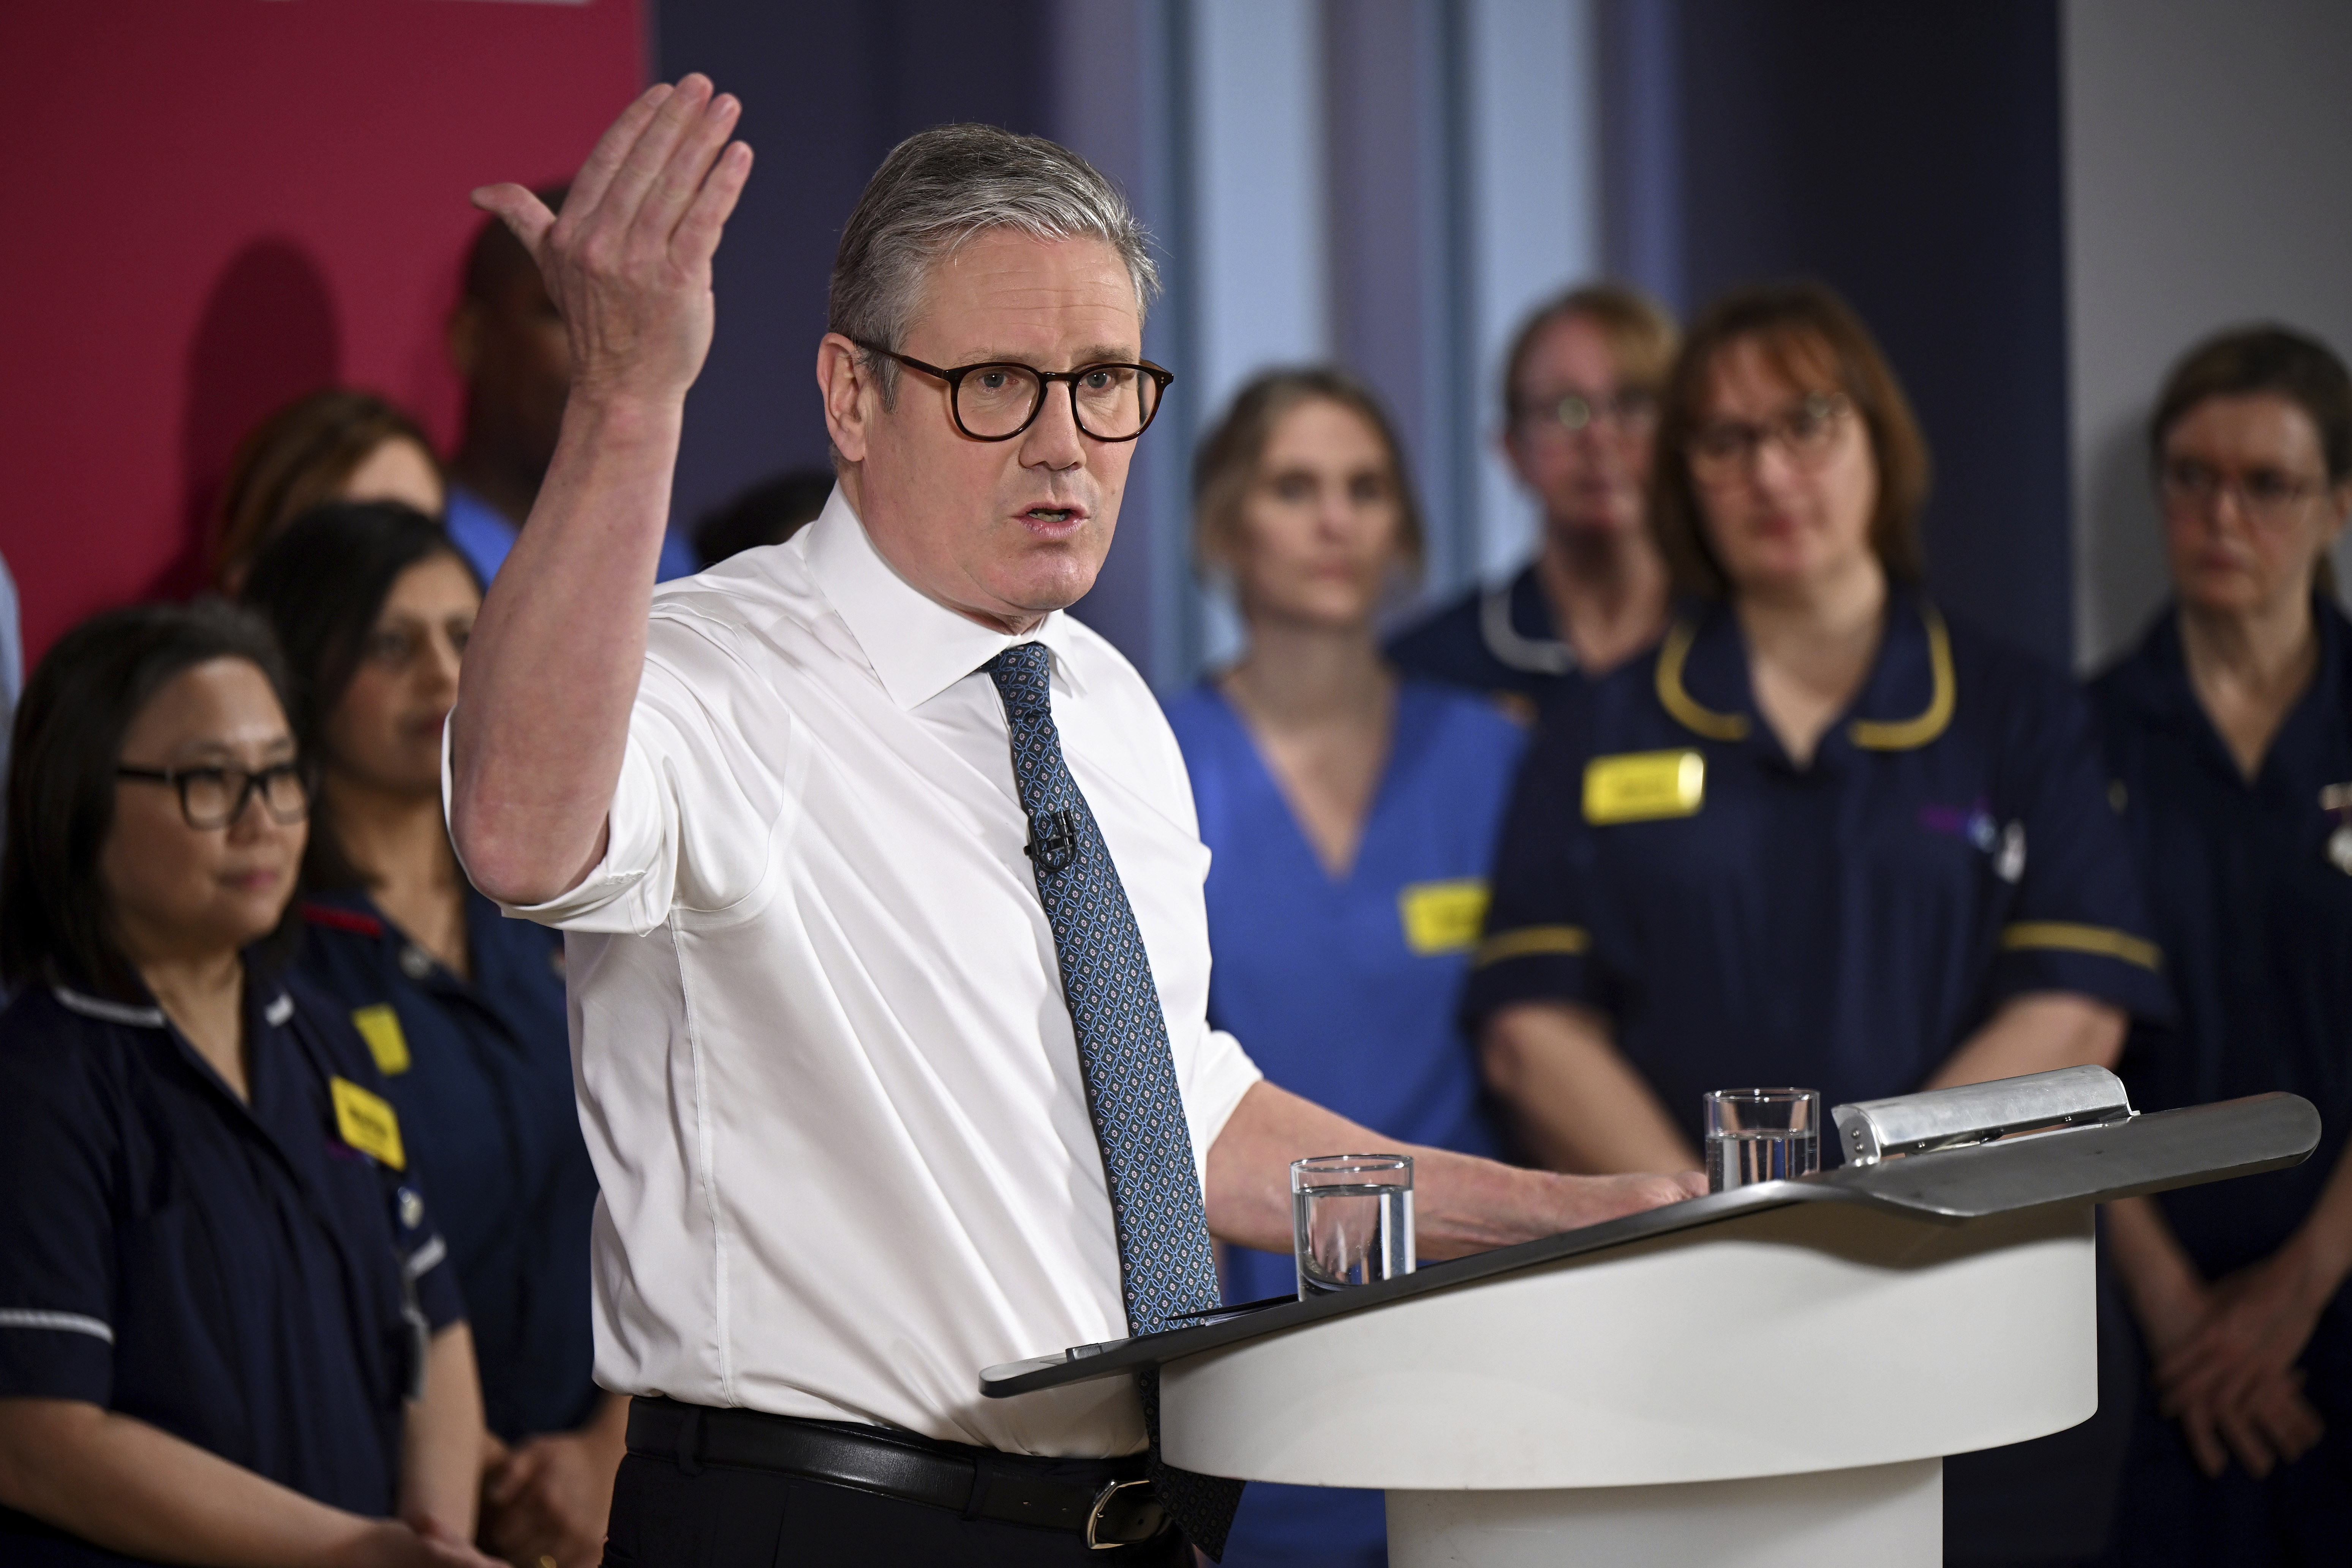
(1889, 1516)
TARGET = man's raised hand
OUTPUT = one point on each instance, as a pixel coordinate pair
(628, 259)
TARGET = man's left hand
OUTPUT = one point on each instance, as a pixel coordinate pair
(2259, 1322)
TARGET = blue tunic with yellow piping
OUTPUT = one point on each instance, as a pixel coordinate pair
(1841, 926)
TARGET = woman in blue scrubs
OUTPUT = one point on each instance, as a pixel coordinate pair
(228, 1329)
(464, 1009)
(1350, 814)
(1822, 836)
(2229, 736)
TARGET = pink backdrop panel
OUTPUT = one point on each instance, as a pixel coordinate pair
(215, 205)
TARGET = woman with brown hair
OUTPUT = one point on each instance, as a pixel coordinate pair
(333, 445)
(2229, 737)
(1581, 402)
(1350, 813)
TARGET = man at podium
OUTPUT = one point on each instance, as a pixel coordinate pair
(887, 958)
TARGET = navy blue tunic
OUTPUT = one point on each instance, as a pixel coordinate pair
(237, 1274)
(481, 1071)
(2256, 922)
(1498, 640)
(1843, 926)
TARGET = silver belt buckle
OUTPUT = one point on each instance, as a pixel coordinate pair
(1094, 1516)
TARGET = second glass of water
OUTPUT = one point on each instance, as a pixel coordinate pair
(1761, 1135)
(1351, 1220)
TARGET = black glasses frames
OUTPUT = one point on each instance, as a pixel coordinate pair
(214, 797)
(997, 400)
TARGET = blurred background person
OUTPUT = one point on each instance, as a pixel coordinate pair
(1893, 865)
(462, 1009)
(218, 1273)
(506, 340)
(770, 512)
(335, 445)
(2229, 737)
(1351, 814)
(1580, 405)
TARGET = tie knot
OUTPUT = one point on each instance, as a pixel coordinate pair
(1023, 674)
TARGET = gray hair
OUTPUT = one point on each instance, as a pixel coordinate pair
(939, 188)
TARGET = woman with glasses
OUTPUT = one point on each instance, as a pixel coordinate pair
(228, 1329)
(1349, 814)
(464, 1010)
(1822, 837)
(1581, 403)
(2229, 739)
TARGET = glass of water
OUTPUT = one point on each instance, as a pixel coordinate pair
(1761, 1135)
(1351, 1220)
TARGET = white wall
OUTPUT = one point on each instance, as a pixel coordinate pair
(2208, 182)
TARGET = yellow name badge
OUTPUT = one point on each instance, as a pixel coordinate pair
(380, 1026)
(1643, 786)
(367, 1123)
(1443, 917)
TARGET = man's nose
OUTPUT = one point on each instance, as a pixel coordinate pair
(1055, 440)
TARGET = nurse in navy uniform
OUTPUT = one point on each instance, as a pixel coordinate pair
(1580, 402)
(229, 1331)
(462, 1009)
(2230, 738)
(1823, 836)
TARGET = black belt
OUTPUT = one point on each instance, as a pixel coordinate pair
(1108, 1501)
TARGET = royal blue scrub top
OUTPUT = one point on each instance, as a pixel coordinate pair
(240, 1275)
(1843, 926)
(2255, 916)
(1344, 989)
(1498, 640)
(481, 1069)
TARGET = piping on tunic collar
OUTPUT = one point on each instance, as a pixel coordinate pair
(1896, 735)
(1512, 648)
(275, 1013)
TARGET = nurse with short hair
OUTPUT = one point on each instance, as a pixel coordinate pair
(1351, 814)
(2229, 735)
(1823, 836)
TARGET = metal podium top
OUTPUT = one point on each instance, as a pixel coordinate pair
(2149, 1153)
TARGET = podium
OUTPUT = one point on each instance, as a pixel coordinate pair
(1768, 1377)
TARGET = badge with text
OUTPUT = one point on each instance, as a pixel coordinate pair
(2337, 798)
(367, 1123)
(380, 1026)
(1443, 917)
(1643, 786)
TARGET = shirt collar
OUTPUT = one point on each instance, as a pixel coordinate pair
(918, 647)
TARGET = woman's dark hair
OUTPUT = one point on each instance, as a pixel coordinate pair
(320, 585)
(2248, 361)
(55, 919)
(1812, 337)
(298, 458)
(1228, 457)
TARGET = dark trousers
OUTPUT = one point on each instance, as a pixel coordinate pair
(717, 1517)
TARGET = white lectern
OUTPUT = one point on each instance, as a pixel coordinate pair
(1769, 1376)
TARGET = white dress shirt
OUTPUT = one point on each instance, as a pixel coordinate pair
(826, 1068)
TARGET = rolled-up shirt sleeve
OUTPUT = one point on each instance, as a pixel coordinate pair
(2079, 921)
(1538, 940)
(692, 796)
(58, 1230)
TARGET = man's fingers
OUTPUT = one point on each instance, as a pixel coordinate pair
(696, 240)
(2245, 1440)
(681, 178)
(651, 153)
(519, 210)
(2204, 1445)
(604, 159)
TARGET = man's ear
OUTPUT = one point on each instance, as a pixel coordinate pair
(843, 382)
(463, 338)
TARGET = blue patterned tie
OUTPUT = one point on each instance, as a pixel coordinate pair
(1167, 1270)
